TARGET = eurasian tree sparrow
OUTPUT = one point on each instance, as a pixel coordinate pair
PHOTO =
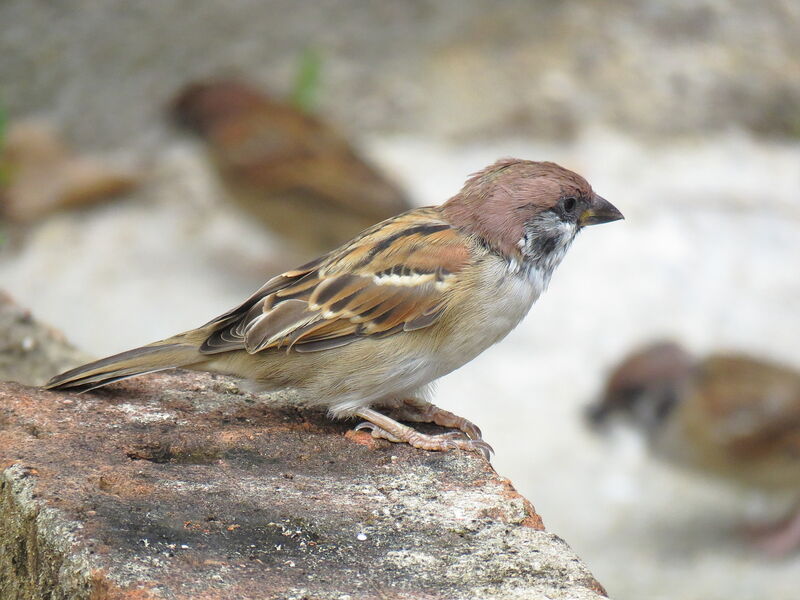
(734, 417)
(288, 168)
(410, 299)
(40, 174)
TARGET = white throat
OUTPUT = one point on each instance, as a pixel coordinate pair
(544, 246)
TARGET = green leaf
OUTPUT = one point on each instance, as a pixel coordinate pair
(3, 125)
(4, 171)
(306, 82)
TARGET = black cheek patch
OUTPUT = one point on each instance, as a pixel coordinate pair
(544, 244)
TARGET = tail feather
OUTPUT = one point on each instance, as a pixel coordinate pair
(147, 359)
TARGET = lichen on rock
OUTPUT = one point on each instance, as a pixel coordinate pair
(177, 485)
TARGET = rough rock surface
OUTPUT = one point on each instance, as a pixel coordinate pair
(31, 352)
(179, 485)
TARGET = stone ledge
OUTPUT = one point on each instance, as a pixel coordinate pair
(30, 351)
(179, 485)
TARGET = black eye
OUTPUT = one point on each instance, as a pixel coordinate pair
(568, 204)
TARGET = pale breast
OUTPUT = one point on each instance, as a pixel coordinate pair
(488, 308)
(485, 308)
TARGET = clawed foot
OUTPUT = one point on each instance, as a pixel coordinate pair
(420, 411)
(778, 539)
(383, 427)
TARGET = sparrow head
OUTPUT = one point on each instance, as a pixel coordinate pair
(199, 106)
(526, 210)
(645, 388)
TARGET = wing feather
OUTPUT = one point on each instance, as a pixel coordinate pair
(756, 406)
(275, 324)
(396, 276)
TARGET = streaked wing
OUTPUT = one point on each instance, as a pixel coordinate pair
(394, 277)
(756, 406)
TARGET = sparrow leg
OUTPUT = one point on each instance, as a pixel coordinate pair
(386, 428)
(782, 538)
(420, 411)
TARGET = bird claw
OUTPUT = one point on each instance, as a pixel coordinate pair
(420, 411)
(376, 432)
(482, 447)
(777, 539)
(451, 440)
(457, 441)
(462, 439)
(473, 431)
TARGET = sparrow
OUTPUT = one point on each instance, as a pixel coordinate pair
(288, 168)
(40, 174)
(371, 324)
(730, 416)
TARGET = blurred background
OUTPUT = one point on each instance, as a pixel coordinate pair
(151, 152)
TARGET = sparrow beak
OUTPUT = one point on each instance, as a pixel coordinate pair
(599, 211)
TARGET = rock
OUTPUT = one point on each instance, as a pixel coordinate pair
(179, 485)
(30, 352)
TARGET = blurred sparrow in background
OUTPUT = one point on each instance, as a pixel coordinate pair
(413, 298)
(39, 174)
(731, 416)
(288, 168)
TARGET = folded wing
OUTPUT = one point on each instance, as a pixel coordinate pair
(397, 276)
(756, 406)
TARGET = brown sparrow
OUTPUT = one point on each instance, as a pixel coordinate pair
(410, 299)
(731, 416)
(288, 168)
(44, 175)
